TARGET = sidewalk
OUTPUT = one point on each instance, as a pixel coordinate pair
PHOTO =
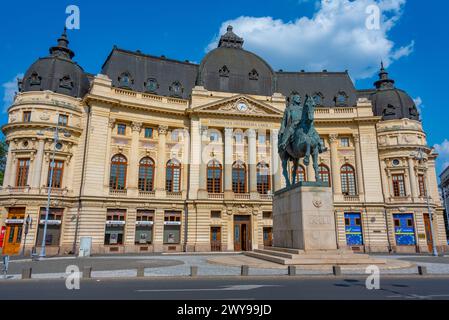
(119, 266)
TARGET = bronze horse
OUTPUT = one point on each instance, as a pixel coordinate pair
(305, 142)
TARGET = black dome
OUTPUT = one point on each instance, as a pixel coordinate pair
(391, 103)
(57, 73)
(229, 68)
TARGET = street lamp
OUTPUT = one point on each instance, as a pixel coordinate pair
(420, 158)
(50, 184)
(28, 223)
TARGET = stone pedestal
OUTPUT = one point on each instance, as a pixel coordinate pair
(303, 218)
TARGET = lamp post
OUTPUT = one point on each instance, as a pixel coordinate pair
(50, 185)
(28, 222)
(420, 158)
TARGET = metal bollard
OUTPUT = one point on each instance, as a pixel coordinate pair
(292, 270)
(141, 271)
(422, 271)
(87, 273)
(336, 270)
(193, 271)
(245, 271)
(26, 273)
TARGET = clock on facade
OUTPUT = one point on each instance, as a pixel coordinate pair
(242, 107)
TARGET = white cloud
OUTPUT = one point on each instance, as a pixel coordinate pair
(335, 38)
(419, 105)
(443, 151)
(10, 88)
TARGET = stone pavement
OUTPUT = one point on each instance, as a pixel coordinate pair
(208, 265)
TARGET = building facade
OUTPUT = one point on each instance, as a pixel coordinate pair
(158, 155)
(444, 187)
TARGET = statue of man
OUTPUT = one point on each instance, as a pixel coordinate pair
(291, 120)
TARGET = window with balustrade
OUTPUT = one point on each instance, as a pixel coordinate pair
(173, 176)
(214, 177)
(324, 173)
(146, 175)
(399, 185)
(263, 178)
(55, 181)
(422, 185)
(239, 177)
(348, 186)
(23, 168)
(117, 180)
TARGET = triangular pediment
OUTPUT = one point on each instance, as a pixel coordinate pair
(240, 105)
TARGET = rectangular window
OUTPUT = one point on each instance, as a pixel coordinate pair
(63, 120)
(144, 227)
(399, 185)
(344, 142)
(27, 116)
(149, 133)
(262, 139)
(121, 129)
(115, 227)
(54, 223)
(56, 181)
(214, 137)
(23, 168)
(215, 214)
(172, 227)
(238, 138)
(175, 136)
(422, 185)
(268, 215)
(323, 142)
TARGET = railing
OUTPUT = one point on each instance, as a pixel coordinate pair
(174, 195)
(14, 190)
(266, 197)
(242, 196)
(349, 198)
(55, 191)
(147, 194)
(216, 196)
(125, 92)
(118, 193)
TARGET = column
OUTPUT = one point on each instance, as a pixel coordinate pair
(202, 191)
(385, 182)
(9, 167)
(252, 160)
(108, 154)
(358, 160)
(228, 160)
(411, 173)
(335, 167)
(275, 163)
(133, 168)
(161, 161)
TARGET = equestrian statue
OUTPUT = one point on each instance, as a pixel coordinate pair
(298, 138)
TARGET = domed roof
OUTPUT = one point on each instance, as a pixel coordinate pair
(57, 72)
(391, 103)
(230, 68)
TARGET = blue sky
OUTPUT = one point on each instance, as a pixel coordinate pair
(289, 34)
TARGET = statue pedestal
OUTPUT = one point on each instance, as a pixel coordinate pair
(303, 218)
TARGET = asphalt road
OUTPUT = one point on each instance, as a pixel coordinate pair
(280, 288)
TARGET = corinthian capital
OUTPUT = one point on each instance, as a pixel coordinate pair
(112, 123)
(136, 126)
(333, 137)
(163, 130)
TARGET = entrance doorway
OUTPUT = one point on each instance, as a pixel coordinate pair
(429, 235)
(268, 237)
(14, 231)
(242, 233)
(215, 239)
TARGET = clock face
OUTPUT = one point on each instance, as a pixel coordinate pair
(242, 107)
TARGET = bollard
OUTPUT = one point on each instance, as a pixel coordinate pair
(291, 270)
(422, 271)
(26, 273)
(245, 271)
(87, 273)
(141, 271)
(193, 271)
(336, 270)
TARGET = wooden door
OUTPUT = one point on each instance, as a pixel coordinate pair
(268, 237)
(215, 239)
(429, 235)
(242, 233)
(13, 238)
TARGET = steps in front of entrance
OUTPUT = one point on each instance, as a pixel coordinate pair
(300, 257)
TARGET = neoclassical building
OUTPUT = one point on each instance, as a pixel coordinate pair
(158, 155)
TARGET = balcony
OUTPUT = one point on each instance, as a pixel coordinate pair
(351, 198)
(118, 193)
(174, 195)
(266, 197)
(242, 196)
(215, 196)
(17, 190)
(147, 194)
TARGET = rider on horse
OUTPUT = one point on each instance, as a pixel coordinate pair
(291, 120)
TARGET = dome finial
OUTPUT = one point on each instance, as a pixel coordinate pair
(62, 48)
(230, 39)
(384, 81)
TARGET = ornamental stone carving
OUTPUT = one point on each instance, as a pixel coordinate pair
(163, 129)
(136, 126)
(333, 138)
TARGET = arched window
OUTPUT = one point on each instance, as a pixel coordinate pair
(214, 174)
(117, 179)
(348, 186)
(318, 98)
(146, 175)
(341, 100)
(239, 177)
(176, 89)
(173, 176)
(125, 80)
(324, 173)
(263, 178)
(301, 175)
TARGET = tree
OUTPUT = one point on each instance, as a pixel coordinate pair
(3, 156)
